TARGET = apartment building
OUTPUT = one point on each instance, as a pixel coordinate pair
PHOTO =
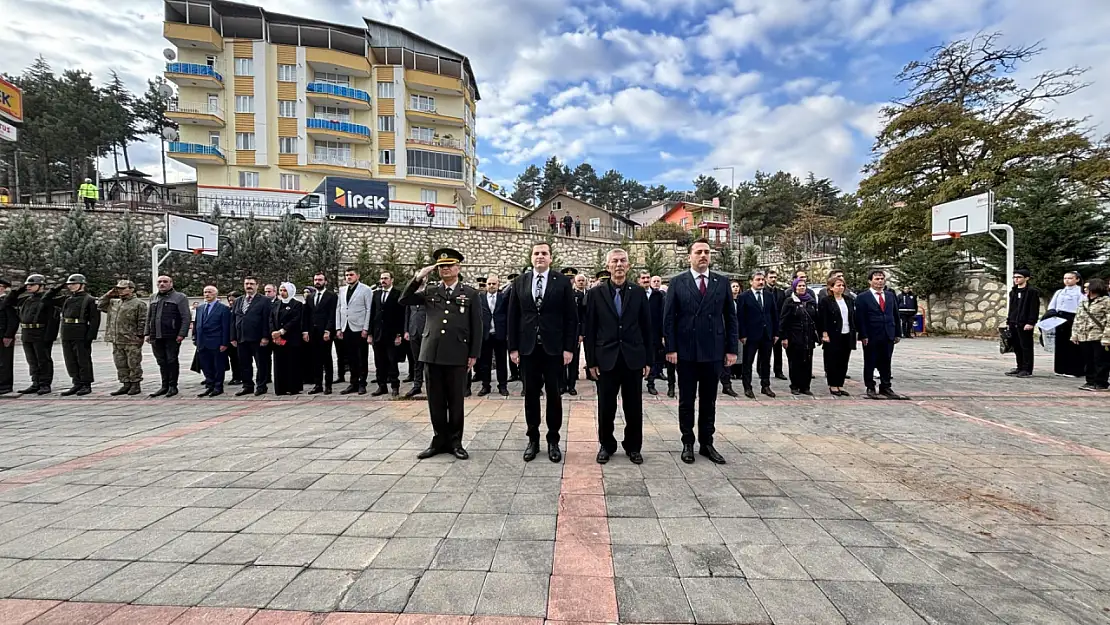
(273, 103)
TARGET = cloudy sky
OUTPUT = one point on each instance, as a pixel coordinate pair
(662, 90)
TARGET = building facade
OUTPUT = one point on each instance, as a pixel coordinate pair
(702, 218)
(275, 103)
(493, 211)
(597, 223)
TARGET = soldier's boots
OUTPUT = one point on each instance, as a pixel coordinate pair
(172, 391)
(34, 388)
(122, 390)
(160, 392)
(135, 389)
(44, 390)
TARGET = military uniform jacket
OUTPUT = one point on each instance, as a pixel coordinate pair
(126, 322)
(80, 316)
(9, 319)
(37, 316)
(453, 329)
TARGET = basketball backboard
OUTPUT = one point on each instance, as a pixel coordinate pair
(189, 235)
(970, 215)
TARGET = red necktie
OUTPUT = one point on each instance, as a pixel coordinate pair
(882, 302)
(701, 285)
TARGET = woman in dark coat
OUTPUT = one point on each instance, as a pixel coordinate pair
(836, 322)
(288, 374)
(798, 329)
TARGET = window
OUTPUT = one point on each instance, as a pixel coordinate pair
(332, 113)
(290, 182)
(244, 104)
(385, 90)
(422, 134)
(595, 224)
(210, 60)
(385, 157)
(437, 164)
(429, 196)
(214, 138)
(558, 205)
(487, 209)
(425, 103)
(287, 73)
(504, 210)
(287, 145)
(287, 108)
(244, 67)
(332, 151)
(386, 123)
(334, 79)
(616, 225)
(392, 187)
(248, 179)
(244, 141)
(682, 222)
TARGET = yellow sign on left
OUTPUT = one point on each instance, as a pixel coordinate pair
(11, 101)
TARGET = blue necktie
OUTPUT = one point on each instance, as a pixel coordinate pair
(617, 301)
(207, 309)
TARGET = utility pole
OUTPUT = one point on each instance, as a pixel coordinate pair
(732, 209)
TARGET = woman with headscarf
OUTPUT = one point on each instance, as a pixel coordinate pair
(287, 323)
(798, 329)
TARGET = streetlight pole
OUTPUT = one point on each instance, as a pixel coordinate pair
(732, 209)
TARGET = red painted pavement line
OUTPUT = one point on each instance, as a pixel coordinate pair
(1044, 439)
(142, 443)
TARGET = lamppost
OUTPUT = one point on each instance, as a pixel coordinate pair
(732, 208)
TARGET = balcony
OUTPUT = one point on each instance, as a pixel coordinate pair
(196, 113)
(327, 94)
(347, 166)
(442, 174)
(337, 62)
(193, 36)
(333, 130)
(195, 153)
(194, 75)
(436, 142)
(430, 82)
(429, 114)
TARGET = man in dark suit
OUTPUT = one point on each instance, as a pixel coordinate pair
(543, 333)
(212, 336)
(759, 329)
(656, 304)
(700, 334)
(387, 324)
(514, 368)
(575, 365)
(619, 349)
(319, 330)
(451, 343)
(495, 325)
(416, 318)
(879, 331)
(250, 334)
(778, 295)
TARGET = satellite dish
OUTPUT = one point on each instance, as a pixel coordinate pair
(169, 54)
(165, 90)
(170, 134)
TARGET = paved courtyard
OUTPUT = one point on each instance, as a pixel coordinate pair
(983, 500)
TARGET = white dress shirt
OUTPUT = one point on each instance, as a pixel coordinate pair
(842, 303)
(492, 299)
(697, 275)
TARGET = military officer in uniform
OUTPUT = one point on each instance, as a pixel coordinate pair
(450, 346)
(125, 329)
(80, 324)
(9, 323)
(39, 325)
(575, 360)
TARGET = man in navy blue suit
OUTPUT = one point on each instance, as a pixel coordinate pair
(759, 329)
(250, 334)
(879, 331)
(212, 336)
(700, 334)
(495, 320)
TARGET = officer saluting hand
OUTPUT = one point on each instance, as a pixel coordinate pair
(451, 344)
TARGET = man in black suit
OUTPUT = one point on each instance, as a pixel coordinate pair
(700, 333)
(759, 329)
(387, 325)
(514, 368)
(250, 334)
(580, 304)
(655, 310)
(319, 330)
(543, 326)
(879, 331)
(495, 321)
(778, 295)
(619, 349)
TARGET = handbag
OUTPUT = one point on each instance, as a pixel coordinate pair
(1004, 338)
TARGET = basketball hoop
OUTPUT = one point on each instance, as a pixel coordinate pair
(197, 251)
(954, 235)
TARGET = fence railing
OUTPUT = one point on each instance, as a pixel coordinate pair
(316, 123)
(199, 108)
(338, 161)
(325, 88)
(438, 142)
(194, 69)
(430, 172)
(180, 147)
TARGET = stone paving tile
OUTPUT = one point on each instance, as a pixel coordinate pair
(68, 581)
(75, 613)
(528, 527)
(643, 561)
(315, 590)
(519, 556)
(703, 560)
(380, 590)
(295, 550)
(723, 600)
(768, 562)
(652, 600)
(514, 594)
(189, 585)
(349, 553)
(447, 592)
(252, 586)
(130, 582)
(897, 566)
(377, 525)
(795, 602)
(406, 552)
(465, 554)
(869, 603)
(831, 563)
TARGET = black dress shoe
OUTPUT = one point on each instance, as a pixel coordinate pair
(635, 457)
(71, 390)
(890, 394)
(1013, 372)
(361, 389)
(379, 392)
(34, 388)
(871, 394)
(749, 393)
(245, 391)
(806, 391)
(172, 392)
(408, 379)
(216, 393)
(728, 390)
(460, 453)
(531, 451)
(572, 392)
(467, 393)
(84, 390)
(651, 390)
(260, 391)
(847, 377)
(766, 390)
(428, 453)
(602, 456)
(553, 453)
(44, 390)
(394, 392)
(688, 454)
(165, 389)
(522, 392)
(843, 393)
(350, 389)
(235, 382)
(795, 391)
(482, 392)
(670, 392)
(709, 452)
(206, 393)
(327, 390)
(316, 390)
(504, 392)
(413, 392)
(779, 376)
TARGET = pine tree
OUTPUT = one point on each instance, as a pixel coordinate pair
(22, 245)
(553, 178)
(853, 263)
(119, 117)
(706, 187)
(930, 269)
(324, 251)
(129, 258)
(726, 260)
(252, 253)
(150, 116)
(391, 262)
(599, 263)
(527, 187)
(364, 262)
(749, 262)
(77, 250)
(286, 248)
(654, 260)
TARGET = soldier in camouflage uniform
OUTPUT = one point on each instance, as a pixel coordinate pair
(125, 330)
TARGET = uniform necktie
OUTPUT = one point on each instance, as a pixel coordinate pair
(617, 301)
(882, 302)
(701, 284)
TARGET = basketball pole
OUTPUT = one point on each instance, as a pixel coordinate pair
(155, 262)
(1009, 245)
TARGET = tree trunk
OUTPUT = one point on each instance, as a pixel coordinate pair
(115, 158)
(126, 158)
(163, 161)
